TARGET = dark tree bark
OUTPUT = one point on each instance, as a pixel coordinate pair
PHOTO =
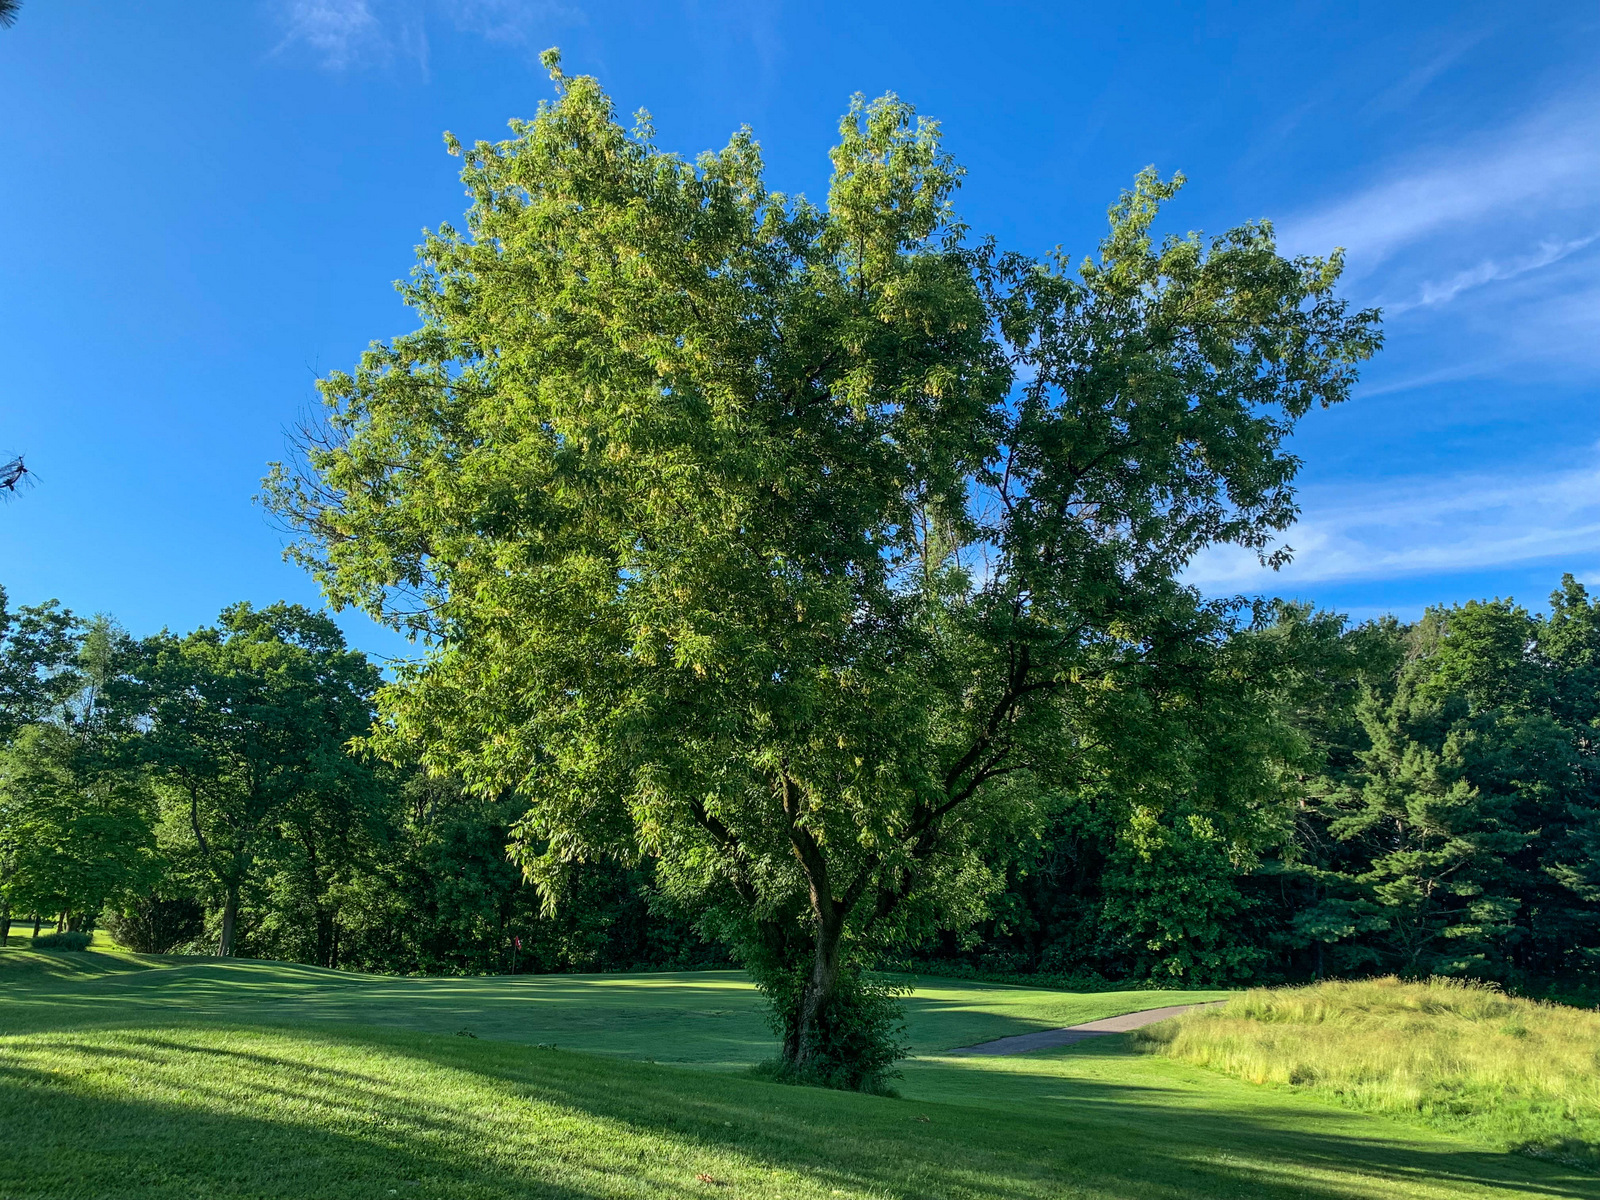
(230, 920)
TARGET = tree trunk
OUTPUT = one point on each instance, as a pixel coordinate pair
(37, 921)
(5, 922)
(230, 918)
(809, 1029)
(327, 939)
(806, 1039)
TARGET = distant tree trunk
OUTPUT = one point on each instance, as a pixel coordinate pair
(37, 921)
(230, 918)
(327, 938)
(61, 923)
(5, 922)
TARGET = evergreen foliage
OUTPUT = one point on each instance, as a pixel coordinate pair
(1461, 835)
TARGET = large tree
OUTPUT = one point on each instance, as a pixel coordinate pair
(787, 543)
(245, 726)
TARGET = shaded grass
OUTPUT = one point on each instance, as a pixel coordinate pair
(1515, 1073)
(707, 1018)
(122, 1076)
(182, 1111)
(22, 969)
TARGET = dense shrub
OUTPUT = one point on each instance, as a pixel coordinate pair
(856, 1039)
(70, 940)
(152, 925)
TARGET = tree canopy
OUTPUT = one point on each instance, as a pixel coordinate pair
(245, 726)
(38, 659)
(790, 544)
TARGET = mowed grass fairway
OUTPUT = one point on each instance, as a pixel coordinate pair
(707, 1018)
(122, 1077)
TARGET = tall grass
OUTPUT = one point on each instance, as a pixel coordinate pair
(1523, 1074)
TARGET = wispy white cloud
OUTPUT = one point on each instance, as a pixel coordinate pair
(342, 34)
(1409, 87)
(1550, 161)
(1436, 292)
(1498, 230)
(515, 22)
(338, 32)
(1386, 529)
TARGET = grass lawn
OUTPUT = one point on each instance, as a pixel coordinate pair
(21, 937)
(707, 1018)
(123, 1078)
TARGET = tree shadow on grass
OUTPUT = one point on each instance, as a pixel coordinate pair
(1110, 1139)
(707, 1019)
(71, 1145)
(197, 1110)
(704, 1017)
(694, 1016)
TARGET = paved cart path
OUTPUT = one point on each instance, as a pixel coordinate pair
(1048, 1039)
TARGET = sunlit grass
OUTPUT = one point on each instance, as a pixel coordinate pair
(143, 1078)
(21, 937)
(173, 1112)
(1518, 1073)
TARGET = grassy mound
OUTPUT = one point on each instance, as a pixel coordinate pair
(1516, 1073)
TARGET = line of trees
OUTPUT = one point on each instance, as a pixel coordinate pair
(1301, 797)
(1342, 800)
(205, 793)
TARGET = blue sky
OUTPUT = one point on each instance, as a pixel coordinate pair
(204, 206)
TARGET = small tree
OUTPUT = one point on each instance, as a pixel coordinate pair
(39, 646)
(77, 836)
(786, 543)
